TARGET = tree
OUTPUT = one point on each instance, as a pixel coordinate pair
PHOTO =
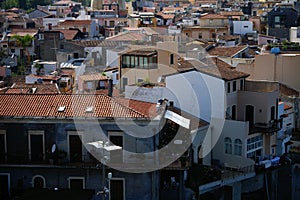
(10, 4)
(24, 42)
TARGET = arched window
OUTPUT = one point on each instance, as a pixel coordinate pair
(38, 181)
(228, 145)
(238, 147)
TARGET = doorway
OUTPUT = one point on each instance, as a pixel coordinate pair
(250, 115)
(117, 189)
(75, 148)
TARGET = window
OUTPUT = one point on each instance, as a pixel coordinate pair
(279, 21)
(3, 148)
(242, 84)
(254, 143)
(116, 138)
(228, 145)
(141, 62)
(61, 46)
(5, 185)
(238, 147)
(75, 146)
(111, 23)
(50, 26)
(38, 182)
(249, 115)
(145, 62)
(213, 35)
(117, 189)
(171, 59)
(228, 113)
(234, 86)
(272, 112)
(12, 50)
(36, 144)
(102, 84)
(233, 112)
(139, 80)
(40, 36)
(124, 82)
(76, 55)
(246, 26)
(228, 87)
(76, 183)
(199, 35)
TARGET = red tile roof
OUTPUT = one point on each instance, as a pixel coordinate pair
(69, 34)
(127, 36)
(226, 51)
(23, 88)
(75, 22)
(232, 13)
(287, 107)
(46, 106)
(214, 67)
(213, 16)
(92, 77)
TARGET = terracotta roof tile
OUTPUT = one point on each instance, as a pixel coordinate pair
(215, 67)
(127, 36)
(46, 106)
(23, 88)
(68, 34)
(226, 51)
(213, 16)
(92, 77)
(166, 16)
(232, 13)
(287, 107)
(75, 22)
(97, 43)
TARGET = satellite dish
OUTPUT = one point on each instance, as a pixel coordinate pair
(53, 148)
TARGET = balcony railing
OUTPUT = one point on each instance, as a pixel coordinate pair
(23, 159)
(270, 127)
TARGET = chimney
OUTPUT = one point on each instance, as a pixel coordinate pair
(110, 87)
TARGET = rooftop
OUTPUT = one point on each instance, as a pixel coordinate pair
(31, 106)
(226, 51)
(213, 16)
(75, 22)
(69, 34)
(92, 77)
(23, 88)
(127, 36)
(216, 67)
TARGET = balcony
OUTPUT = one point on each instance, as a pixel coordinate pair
(86, 161)
(209, 178)
(270, 127)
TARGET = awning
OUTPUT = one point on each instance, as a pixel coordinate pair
(99, 145)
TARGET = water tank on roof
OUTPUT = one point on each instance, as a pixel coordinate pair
(275, 50)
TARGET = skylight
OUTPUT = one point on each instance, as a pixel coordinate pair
(89, 109)
(61, 108)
